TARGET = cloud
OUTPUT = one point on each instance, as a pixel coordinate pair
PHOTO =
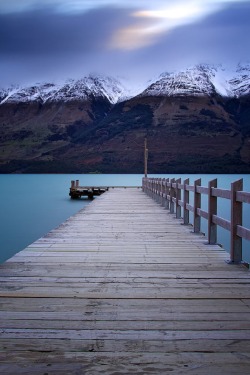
(150, 24)
(32, 39)
(137, 38)
(221, 37)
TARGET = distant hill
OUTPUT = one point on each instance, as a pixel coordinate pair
(196, 121)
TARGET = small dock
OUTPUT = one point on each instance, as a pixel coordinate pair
(76, 191)
(123, 287)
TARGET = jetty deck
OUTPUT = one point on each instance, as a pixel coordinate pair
(123, 288)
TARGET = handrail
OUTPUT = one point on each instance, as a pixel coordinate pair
(168, 192)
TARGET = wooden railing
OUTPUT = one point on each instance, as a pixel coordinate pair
(174, 195)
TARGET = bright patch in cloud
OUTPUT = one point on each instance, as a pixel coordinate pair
(150, 24)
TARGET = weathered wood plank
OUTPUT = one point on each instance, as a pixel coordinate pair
(132, 363)
(155, 346)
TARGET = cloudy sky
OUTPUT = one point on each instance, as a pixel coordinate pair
(53, 39)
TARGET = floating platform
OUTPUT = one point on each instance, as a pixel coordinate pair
(76, 191)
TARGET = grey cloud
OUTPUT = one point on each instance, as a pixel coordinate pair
(46, 44)
(43, 32)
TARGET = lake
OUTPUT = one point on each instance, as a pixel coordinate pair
(32, 205)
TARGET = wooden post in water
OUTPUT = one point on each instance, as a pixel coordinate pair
(236, 219)
(212, 210)
(197, 204)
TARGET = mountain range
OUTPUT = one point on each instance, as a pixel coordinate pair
(196, 120)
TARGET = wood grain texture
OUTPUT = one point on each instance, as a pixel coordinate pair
(123, 288)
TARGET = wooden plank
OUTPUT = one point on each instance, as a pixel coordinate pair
(221, 193)
(243, 196)
(221, 222)
(126, 346)
(111, 363)
(243, 232)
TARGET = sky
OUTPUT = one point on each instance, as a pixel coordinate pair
(50, 40)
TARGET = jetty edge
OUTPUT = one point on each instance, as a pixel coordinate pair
(123, 287)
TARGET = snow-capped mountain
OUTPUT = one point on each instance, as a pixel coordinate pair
(199, 80)
(202, 79)
(71, 90)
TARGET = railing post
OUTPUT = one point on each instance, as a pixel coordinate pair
(162, 191)
(159, 190)
(167, 193)
(197, 204)
(212, 210)
(156, 188)
(178, 198)
(152, 188)
(165, 190)
(171, 194)
(186, 201)
(236, 219)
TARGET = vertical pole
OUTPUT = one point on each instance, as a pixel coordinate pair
(178, 198)
(72, 184)
(151, 187)
(77, 183)
(197, 204)
(186, 201)
(171, 193)
(163, 191)
(212, 210)
(145, 158)
(159, 190)
(236, 219)
(166, 194)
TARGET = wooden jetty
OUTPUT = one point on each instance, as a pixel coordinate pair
(123, 288)
(76, 191)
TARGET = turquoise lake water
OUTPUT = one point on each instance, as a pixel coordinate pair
(32, 205)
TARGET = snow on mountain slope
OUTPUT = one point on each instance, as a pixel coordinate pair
(199, 80)
(192, 81)
(87, 87)
(202, 79)
(82, 89)
(240, 84)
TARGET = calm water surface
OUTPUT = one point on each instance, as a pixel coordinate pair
(32, 205)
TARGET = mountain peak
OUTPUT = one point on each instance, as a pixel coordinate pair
(92, 86)
(202, 79)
